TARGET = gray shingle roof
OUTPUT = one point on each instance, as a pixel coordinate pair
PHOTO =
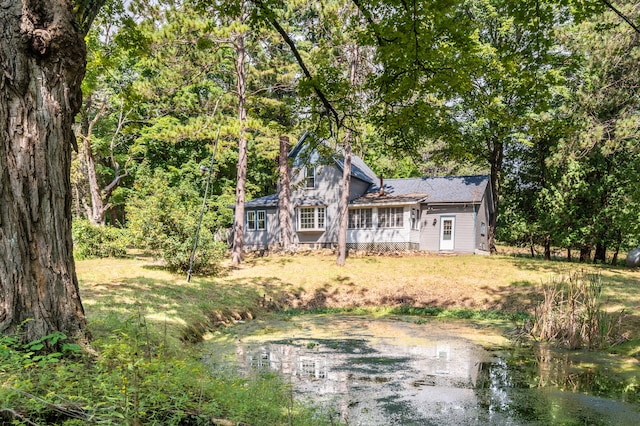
(266, 201)
(450, 189)
(358, 169)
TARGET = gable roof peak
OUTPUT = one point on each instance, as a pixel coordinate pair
(310, 143)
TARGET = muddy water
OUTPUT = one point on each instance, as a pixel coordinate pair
(369, 371)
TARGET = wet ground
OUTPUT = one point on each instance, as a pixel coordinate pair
(369, 371)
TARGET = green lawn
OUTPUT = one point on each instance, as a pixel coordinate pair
(142, 368)
(139, 287)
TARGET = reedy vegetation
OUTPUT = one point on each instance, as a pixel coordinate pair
(572, 315)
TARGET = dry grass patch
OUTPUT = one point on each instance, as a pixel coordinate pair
(134, 287)
(416, 280)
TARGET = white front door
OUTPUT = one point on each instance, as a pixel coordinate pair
(447, 232)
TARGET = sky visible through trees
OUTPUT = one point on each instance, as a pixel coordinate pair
(542, 96)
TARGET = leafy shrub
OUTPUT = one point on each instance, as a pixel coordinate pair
(133, 378)
(92, 241)
(163, 220)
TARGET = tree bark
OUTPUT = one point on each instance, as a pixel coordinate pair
(601, 253)
(344, 202)
(346, 173)
(241, 85)
(284, 195)
(496, 157)
(97, 207)
(532, 248)
(547, 247)
(42, 55)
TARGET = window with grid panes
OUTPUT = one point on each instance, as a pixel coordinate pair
(390, 217)
(311, 218)
(256, 220)
(261, 220)
(360, 218)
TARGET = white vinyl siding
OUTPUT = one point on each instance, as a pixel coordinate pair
(265, 237)
(431, 231)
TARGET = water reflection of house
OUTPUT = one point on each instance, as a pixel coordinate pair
(302, 365)
(429, 375)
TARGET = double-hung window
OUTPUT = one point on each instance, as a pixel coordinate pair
(360, 218)
(391, 217)
(310, 177)
(415, 219)
(311, 218)
(256, 220)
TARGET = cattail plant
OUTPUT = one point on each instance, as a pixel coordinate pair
(571, 314)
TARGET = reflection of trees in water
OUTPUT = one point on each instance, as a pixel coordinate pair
(524, 382)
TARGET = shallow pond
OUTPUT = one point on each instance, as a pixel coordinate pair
(370, 371)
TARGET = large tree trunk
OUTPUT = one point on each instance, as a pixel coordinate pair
(547, 247)
(96, 208)
(346, 173)
(284, 195)
(585, 253)
(344, 202)
(241, 83)
(42, 54)
(496, 157)
(600, 254)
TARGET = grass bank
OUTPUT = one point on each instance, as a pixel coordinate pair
(145, 322)
(471, 287)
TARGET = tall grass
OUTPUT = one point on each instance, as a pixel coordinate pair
(571, 314)
(132, 377)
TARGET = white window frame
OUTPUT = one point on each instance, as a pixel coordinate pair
(261, 220)
(310, 178)
(391, 217)
(360, 218)
(256, 220)
(315, 218)
(415, 219)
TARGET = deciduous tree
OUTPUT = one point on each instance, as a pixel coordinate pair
(42, 55)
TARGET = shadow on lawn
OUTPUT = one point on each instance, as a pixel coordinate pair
(520, 296)
(339, 297)
(192, 309)
(541, 265)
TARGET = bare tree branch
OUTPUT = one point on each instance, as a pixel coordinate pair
(621, 15)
